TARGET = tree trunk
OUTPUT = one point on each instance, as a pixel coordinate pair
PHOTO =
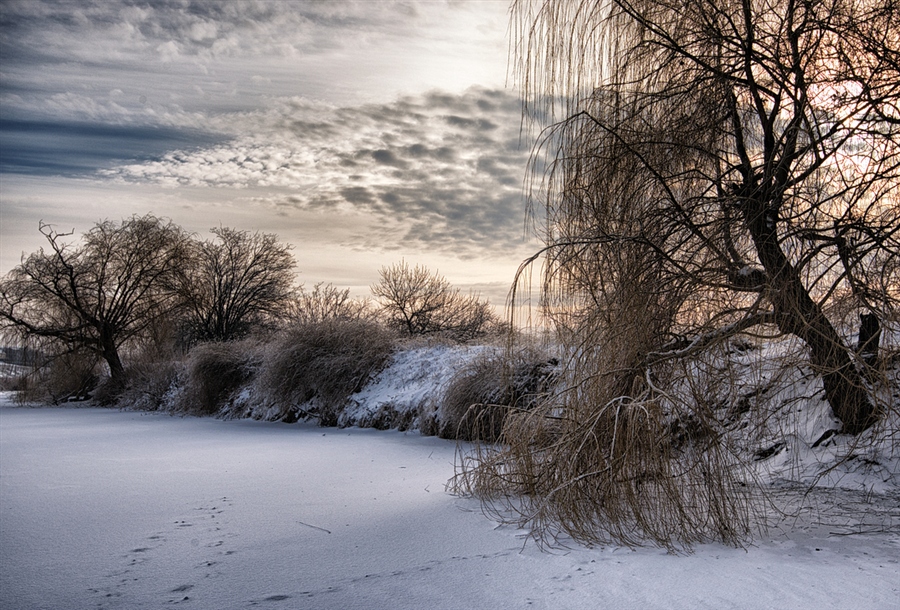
(869, 338)
(796, 313)
(116, 370)
(110, 353)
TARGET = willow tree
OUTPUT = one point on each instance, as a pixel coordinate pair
(729, 163)
(98, 295)
(707, 168)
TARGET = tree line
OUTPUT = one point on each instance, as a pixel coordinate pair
(145, 280)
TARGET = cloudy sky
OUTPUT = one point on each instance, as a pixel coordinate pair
(361, 132)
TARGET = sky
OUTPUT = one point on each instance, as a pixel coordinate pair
(362, 133)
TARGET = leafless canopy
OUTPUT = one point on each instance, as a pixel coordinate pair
(327, 302)
(235, 283)
(419, 302)
(708, 168)
(99, 294)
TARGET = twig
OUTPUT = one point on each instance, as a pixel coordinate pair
(315, 527)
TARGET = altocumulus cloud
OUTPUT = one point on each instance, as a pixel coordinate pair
(172, 62)
(438, 170)
(379, 127)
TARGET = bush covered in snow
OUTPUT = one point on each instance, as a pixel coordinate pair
(212, 373)
(478, 398)
(311, 369)
(407, 394)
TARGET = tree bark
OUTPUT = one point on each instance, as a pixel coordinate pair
(869, 338)
(796, 313)
(110, 353)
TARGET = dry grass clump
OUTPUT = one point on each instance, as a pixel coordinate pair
(614, 455)
(58, 378)
(480, 396)
(312, 369)
(212, 372)
(617, 471)
(149, 385)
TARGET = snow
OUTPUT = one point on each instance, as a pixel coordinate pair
(409, 384)
(797, 435)
(110, 509)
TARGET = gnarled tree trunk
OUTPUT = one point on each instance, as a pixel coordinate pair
(796, 313)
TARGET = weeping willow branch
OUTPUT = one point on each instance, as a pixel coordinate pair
(707, 169)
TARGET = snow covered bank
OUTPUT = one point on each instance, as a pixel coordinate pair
(110, 509)
(761, 394)
(403, 395)
(408, 391)
(772, 406)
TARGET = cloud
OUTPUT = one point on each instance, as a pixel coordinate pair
(75, 148)
(436, 170)
(354, 122)
(383, 156)
(168, 60)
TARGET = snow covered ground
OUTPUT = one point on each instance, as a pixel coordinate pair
(109, 509)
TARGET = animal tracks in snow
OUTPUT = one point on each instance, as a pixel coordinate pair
(376, 577)
(269, 599)
(200, 537)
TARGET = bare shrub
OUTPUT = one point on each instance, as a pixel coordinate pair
(14, 381)
(312, 369)
(148, 385)
(625, 469)
(327, 302)
(420, 303)
(212, 372)
(480, 396)
(65, 377)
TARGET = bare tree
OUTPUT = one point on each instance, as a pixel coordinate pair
(327, 302)
(709, 168)
(235, 283)
(419, 302)
(98, 295)
(725, 164)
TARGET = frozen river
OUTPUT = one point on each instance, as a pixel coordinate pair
(108, 509)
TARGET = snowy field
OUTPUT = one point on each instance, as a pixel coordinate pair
(109, 509)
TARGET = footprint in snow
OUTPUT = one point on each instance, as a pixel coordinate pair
(271, 598)
(205, 533)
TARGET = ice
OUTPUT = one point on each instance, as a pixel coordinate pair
(110, 509)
